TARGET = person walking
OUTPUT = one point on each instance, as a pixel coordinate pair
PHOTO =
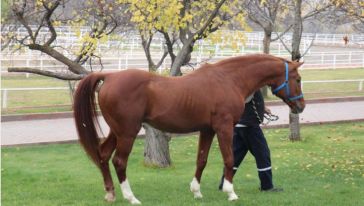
(248, 136)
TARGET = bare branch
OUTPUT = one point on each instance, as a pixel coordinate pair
(48, 15)
(19, 13)
(100, 61)
(316, 11)
(162, 59)
(210, 19)
(114, 27)
(309, 47)
(58, 75)
(283, 33)
(73, 66)
(285, 46)
(169, 44)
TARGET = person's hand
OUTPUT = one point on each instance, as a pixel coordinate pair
(267, 110)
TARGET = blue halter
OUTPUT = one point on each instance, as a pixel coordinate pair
(285, 85)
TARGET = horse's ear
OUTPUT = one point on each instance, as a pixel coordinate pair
(297, 64)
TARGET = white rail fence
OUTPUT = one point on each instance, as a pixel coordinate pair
(126, 51)
(313, 60)
(359, 89)
(71, 35)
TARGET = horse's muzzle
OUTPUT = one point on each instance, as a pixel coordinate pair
(297, 107)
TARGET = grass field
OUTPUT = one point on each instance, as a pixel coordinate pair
(34, 101)
(326, 168)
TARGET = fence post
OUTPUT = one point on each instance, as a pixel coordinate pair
(333, 39)
(242, 49)
(217, 48)
(279, 49)
(334, 61)
(126, 61)
(119, 63)
(304, 45)
(360, 85)
(5, 98)
(349, 57)
(132, 46)
(41, 62)
(28, 64)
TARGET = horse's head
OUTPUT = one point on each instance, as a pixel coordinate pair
(288, 87)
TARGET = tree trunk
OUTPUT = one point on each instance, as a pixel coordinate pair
(183, 57)
(156, 143)
(294, 119)
(266, 46)
(267, 40)
(294, 127)
(156, 147)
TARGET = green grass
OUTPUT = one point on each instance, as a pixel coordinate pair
(325, 168)
(36, 101)
(324, 74)
(20, 102)
(20, 81)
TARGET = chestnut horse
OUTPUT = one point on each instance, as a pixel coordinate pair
(209, 100)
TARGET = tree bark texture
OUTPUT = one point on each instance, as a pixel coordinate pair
(182, 58)
(294, 119)
(156, 147)
(294, 127)
(266, 46)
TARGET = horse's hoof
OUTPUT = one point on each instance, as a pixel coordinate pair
(110, 197)
(233, 197)
(197, 195)
(135, 201)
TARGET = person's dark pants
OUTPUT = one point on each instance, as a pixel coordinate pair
(252, 139)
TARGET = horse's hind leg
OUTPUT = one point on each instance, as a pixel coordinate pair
(120, 160)
(106, 149)
(204, 145)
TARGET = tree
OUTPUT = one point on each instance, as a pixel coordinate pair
(266, 14)
(50, 14)
(310, 10)
(178, 22)
(352, 9)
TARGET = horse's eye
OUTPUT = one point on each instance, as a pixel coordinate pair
(298, 81)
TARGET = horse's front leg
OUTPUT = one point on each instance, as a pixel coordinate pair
(204, 145)
(224, 130)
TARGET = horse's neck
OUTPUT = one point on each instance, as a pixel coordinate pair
(253, 78)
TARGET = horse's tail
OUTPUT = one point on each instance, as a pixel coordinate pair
(85, 114)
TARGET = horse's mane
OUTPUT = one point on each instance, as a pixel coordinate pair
(251, 57)
(230, 63)
(246, 59)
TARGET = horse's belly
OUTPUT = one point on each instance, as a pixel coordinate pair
(177, 124)
(174, 128)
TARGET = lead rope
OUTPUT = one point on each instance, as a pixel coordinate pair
(268, 117)
(256, 112)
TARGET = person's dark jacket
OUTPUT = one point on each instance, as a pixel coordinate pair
(249, 116)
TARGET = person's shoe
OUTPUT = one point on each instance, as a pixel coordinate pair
(273, 189)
